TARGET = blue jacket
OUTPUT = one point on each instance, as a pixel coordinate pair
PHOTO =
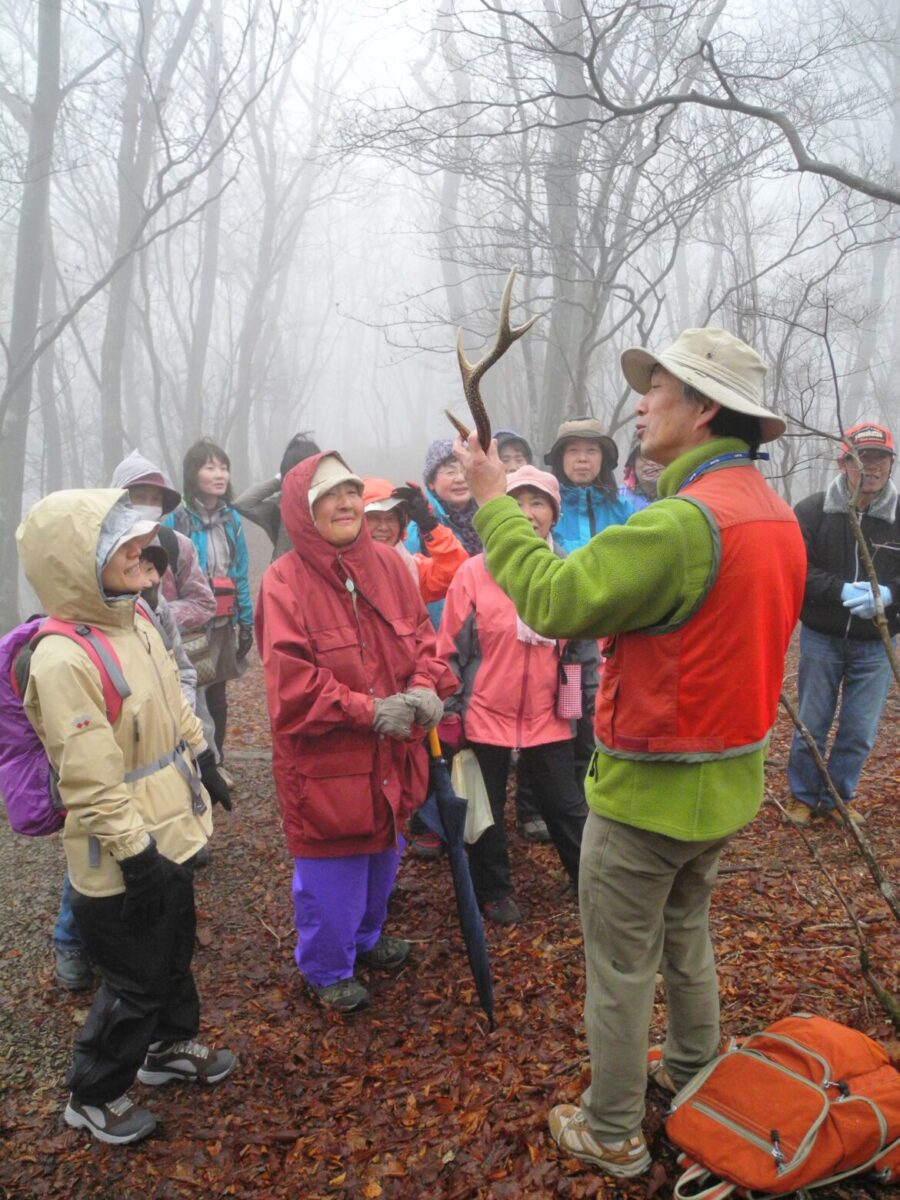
(586, 511)
(637, 500)
(192, 525)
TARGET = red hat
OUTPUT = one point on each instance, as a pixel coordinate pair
(867, 435)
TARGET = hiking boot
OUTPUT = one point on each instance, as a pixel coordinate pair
(658, 1072)
(117, 1122)
(569, 1130)
(534, 830)
(345, 996)
(856, 817)
(426, 845)
(503, 912)
(187, 1061)
(798, 812)
(73, 969)
(387, 954)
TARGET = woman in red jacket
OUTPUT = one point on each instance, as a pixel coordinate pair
(352, 681)
(509, 679)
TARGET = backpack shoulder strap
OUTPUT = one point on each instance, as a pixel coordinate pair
(168, 539)
(143, 609)
(99, 650)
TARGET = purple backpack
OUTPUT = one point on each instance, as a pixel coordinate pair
(27, 780)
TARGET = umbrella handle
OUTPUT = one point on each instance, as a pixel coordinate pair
(434, 743)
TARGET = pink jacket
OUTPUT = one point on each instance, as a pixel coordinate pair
(187, 592)
(508, 687)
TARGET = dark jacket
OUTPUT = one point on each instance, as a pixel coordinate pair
(833, 559)
(328, 652)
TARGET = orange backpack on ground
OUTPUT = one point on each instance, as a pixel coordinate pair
(801, 1104)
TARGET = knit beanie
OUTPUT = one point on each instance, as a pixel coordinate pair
(439, 452)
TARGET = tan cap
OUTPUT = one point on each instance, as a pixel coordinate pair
(330, 471)
(717, 364)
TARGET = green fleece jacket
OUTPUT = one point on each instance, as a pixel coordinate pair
(650, 571)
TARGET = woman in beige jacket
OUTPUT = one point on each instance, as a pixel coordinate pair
(137, 792)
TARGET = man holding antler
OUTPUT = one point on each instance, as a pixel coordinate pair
(841, 651)
(700, 592)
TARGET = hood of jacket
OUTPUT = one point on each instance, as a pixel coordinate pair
(136, 469)
(62, 544)
(335, 564)
(884, 506)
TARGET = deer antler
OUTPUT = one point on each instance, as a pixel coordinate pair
(472, 373)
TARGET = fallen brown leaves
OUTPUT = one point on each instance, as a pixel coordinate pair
(413, 1098)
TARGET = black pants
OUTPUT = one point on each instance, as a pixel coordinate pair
(217, 703)
(558, 800)
(526, 804)
(147, 994)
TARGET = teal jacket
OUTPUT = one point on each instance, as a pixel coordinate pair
(194, 526)
(587, 511)
(650, 571)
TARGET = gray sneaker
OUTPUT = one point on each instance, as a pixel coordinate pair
(345, 996)
(117, 1122)
(73, 969)
(388, 954)
(188, 1061)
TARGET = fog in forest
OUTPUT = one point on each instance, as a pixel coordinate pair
(244, 218)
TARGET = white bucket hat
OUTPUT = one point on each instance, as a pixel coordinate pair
(717, 364)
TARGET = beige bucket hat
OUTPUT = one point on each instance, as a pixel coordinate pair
(330, 471)
(717, 364)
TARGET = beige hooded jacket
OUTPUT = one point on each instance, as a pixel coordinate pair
(108, 818)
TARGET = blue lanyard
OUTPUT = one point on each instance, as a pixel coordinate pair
(715, 462)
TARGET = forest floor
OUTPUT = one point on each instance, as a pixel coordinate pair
(414, 1097)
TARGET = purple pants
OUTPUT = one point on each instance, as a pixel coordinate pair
(339, 908)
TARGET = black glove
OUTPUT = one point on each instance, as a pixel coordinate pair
(145, 886)
(417, 506)
(245, 641)
(218, 789)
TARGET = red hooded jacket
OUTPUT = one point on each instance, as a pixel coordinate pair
(327, 653)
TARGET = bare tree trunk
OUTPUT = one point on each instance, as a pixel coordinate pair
(141, 116)
(46, 378)
(30, 246)
(212, 220)
(562, 184)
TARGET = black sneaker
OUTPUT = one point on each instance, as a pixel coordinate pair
(117, 1122)
(387, 954)
(345, 996)
(188, 1061)
(73, 969)
(503, 912)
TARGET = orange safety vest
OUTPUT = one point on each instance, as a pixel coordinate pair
(708, 687)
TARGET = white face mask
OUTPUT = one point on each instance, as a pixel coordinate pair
(150, 512)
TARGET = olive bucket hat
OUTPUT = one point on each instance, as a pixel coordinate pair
(584, 428)
(717, 364)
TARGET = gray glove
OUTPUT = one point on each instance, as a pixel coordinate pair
(393, 716)
(428, 707)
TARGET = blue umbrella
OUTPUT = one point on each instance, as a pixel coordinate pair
(445, 815)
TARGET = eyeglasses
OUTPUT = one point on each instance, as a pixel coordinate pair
(450, 468)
